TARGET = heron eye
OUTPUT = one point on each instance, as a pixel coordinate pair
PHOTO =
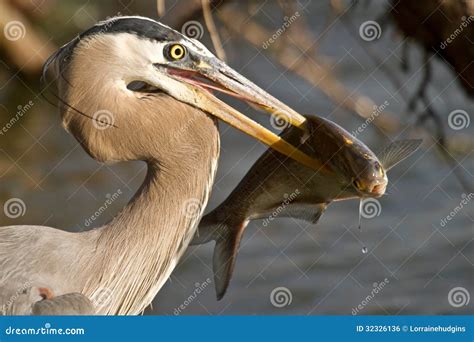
(176, 52)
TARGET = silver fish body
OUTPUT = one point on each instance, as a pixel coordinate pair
(278, 186)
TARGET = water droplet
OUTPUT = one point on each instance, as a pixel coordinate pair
(364, 250)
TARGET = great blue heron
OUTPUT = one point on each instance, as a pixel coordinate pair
(156, 86)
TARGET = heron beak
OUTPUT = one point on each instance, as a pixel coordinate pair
(214, 75)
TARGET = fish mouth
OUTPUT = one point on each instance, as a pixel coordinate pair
(370, 189)
(378, 190)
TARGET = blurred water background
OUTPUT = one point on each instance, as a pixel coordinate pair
(323, 268)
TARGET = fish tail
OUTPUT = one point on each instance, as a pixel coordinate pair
(227, 231)
(225, 254)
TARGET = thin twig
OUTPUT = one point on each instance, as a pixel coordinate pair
(211, 26)
(441, 144)
(420, 94)
(161, 7)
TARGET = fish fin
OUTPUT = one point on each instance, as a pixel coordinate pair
(209, 229)
(227, 235)
(397, 151)
(225, 254)
(306, 212)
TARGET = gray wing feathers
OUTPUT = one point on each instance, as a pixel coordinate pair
(71, 304)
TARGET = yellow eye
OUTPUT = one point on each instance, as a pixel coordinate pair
(176, 52)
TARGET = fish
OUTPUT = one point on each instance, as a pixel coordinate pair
(278, 186)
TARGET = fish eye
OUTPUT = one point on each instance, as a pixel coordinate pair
(175, 52)
(379, 168)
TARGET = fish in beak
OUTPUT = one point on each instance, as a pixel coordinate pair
(208, 75)
(292, 190)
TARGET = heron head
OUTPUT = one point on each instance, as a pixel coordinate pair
(139, 55)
